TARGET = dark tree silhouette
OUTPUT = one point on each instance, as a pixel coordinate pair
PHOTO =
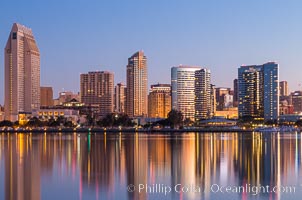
(6, 123)
(113, 119)
(175, 118)
(35, 122)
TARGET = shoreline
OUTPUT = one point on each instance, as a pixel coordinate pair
(131, 130)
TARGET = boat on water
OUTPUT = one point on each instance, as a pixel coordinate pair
(289, 129)
(281, 129)
(267, 129)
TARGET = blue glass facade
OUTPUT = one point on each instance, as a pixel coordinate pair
(258, 91)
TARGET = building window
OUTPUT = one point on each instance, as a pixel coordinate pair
(14, 35)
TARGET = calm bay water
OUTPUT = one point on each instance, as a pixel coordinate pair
(150, 166)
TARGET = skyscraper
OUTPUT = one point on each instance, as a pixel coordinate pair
(296, 98)
(258, 91)
(235, 98)
(119, 98)
(1, 113)
(97, 89)
(137, 85)
(183, 89)
(203, 100)
(213, 99)
(46, 96)
(159, 100)
(22, 73)
(221, 92)
(283, 88)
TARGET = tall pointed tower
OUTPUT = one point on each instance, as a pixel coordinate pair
(22, 73)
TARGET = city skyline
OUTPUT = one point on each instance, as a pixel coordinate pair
(215, 39)
(150, 99)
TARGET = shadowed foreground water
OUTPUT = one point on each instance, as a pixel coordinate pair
(150, 166)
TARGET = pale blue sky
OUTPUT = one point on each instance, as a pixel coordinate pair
(79, 36)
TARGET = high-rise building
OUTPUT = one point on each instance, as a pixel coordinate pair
(213, 99)
(220, 97)
(159, 100)
(250, 92)
(285, 108)
(258, 91)
(97, 89)
(46, 96)
(283, 88)
(1, 113)
(235, 97)
(119, 98)
(137, 85)
(22, 73)
(296, 98)
(183, 89)
(228, 101)
(203, 103)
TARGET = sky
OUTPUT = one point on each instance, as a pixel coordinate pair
(77, 36)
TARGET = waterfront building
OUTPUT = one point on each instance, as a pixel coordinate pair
(235, 98)
(119, 98)
(66, 96)
(296, 98)
(73, 103)
(283, 88)
(258, 91)
(53, 113)
(228, 101)
(220, 97)
(1, 113)
(228, 113)
(137, 85)
(290, 119)
(285, 108)
(159, 101)
(213, 99)
(203, 103)
(183, 89)
(21, 73)
(46, 96)
(218, 122)
(97, 89)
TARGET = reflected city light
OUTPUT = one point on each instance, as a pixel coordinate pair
(107, 163)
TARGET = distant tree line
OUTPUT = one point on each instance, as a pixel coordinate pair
(36, 122)
(175, 119)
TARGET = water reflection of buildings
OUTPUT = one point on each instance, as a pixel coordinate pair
(28, 157)
(270, 159)
(104, 164)
(136, 163)
(237, 159)
(159, 156)
(22, 168)
(98, 163)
